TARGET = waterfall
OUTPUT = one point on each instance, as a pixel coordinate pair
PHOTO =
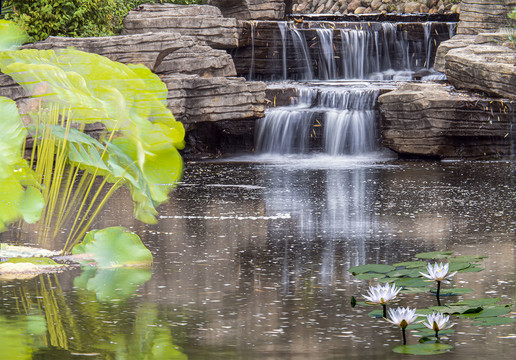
(337, 118)
(282, 25)
(347, 115)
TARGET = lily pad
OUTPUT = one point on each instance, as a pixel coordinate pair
(411, 264)
(413, 273)
(488, 312)
(453, 291)
(467, 258)
(427, 332)
(456, 266)
(369, 276)
(493, 321)
(423, 349)
(375, 268)
(456, 309)
(434, 255)
(415, 290)
(408, 282)
(114, 247)
(478, 302)
(12, 251)
(27, 268)
(376, 313)
(471, 269)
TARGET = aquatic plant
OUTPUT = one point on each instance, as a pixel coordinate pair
(138, 147)
(438, 273)
(437, 322)
(381, 295)
(402, 317)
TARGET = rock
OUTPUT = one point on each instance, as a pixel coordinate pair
(457, 41)
(352, 6)
(431, 3)
(455, 8)
(375, 4)
(430, 120)
(360, 10)
(412, 7)
(483, 15)
(161, 52)
(194, 99)
(487, 68)
(200, 21)
(251, 9)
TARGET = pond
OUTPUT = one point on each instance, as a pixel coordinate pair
(251, 260)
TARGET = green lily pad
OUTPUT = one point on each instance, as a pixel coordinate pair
(493, 321)
(376, 268)
(456, 266)
(478, 302)
(428, 332)
(411, 264)
(488, 312)
(434, 255)
(456, 309)
(413, 273)
(369, 276)
(423, 349)
(453, 291)
(471, 269)
(376, 313)
(408, 282)
(415, 290)
(467, 258)
(114, 247)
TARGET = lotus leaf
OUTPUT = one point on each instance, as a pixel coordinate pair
(434, 255)
(377, 268)
(423, 349)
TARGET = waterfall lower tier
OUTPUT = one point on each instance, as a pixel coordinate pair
(329, 119)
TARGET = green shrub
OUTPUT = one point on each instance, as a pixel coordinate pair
(74, 18)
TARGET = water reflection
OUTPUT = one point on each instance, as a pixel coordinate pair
(256, 266)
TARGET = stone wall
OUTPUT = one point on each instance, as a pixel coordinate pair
(345, 7)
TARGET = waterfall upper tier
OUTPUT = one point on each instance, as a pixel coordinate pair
(309, 50)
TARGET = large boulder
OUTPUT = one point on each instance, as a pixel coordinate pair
(194, 99)
(458, 41)
(430, 120)
(487, 68)
(251, 9)
(200, 21)
(484, 15)
(161, 52)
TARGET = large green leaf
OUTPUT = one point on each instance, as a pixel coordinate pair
(18, 199)
(11, 35)
(376, 268)
(114, 247)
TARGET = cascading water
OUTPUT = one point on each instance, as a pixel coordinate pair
(355, 59)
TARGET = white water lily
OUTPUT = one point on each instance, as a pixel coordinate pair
(402, 317)
(438, 272)
(437, 322)
(381, 294)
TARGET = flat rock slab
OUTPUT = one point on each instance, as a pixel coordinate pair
(431, 120)
(251, 9)
(487, 68)
(194, 99)
(456, 42)
(161, 52)
(202, 22)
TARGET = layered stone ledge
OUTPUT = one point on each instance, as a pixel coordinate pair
(205, 23)
(431, 120)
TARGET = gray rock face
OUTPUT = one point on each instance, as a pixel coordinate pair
(205, 23)
(487, 68)
(484, 15)
(251, 9)
(458, 41)
(194, 99)
(161, 52)
(430, 120)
